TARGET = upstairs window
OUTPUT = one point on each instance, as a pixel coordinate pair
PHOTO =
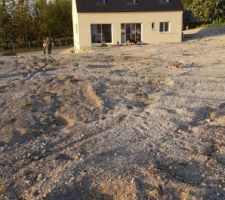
(164, 1)
(164, 27)
(100, 1)
(131, 1)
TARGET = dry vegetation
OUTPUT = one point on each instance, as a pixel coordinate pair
(123, 123)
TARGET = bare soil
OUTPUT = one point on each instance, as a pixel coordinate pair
(124, 123)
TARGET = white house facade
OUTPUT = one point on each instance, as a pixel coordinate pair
(119, 21)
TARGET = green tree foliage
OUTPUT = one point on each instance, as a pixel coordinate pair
(187, 4)
(6, 32)
(58, 18)
(206, 10)
(29, 20)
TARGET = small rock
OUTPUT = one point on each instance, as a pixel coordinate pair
(219, 194)
(43, 144)
(71, 179)
(208, 120)
(81, 159)
(40, 64)
(43, 151)
(39, 177)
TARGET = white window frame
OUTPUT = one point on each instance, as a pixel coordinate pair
(101, 34)
(125, 23)
(164, 25)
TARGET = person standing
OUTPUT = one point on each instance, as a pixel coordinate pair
(47, 46)
(44, 46)
(50, 44)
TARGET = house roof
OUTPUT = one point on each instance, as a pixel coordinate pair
(123, 6)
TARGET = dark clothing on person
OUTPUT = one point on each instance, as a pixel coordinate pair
(47, 46)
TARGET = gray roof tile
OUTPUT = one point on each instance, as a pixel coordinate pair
(122, 6)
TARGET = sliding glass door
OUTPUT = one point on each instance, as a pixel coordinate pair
(130, 32)
(101, 33)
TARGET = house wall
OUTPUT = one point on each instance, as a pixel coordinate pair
(76, 34)
(145, 18)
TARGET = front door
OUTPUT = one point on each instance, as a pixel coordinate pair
(131, 33)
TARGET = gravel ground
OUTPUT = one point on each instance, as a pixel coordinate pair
(123, 123)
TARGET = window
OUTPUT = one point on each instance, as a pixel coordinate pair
(164, 1)
(131, 1)
(153, 25)
(101, 33)
(164, 27)
(100, 1)
(131, 33)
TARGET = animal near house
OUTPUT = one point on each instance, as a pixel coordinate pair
(121, 21)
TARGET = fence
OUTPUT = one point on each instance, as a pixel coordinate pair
(14, 46)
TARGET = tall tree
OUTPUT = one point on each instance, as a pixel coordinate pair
(58, 18)
(208, 10)
(5, 21)
(21, 19)
(29, 20)
(187, 4)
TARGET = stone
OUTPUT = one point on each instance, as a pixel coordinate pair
(39, 177)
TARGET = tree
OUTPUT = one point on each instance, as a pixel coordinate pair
(208, 10)
(58, 18)
(21, 20)
(5, 21)
(31, 20)
(187, 4)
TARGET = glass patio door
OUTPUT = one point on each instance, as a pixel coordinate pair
(130, 32)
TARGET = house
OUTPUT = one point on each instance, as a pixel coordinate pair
(119, 21)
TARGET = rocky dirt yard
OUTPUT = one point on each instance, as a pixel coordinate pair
(118, 123)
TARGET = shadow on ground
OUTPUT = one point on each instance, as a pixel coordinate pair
(204, 33)
(82, 190)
